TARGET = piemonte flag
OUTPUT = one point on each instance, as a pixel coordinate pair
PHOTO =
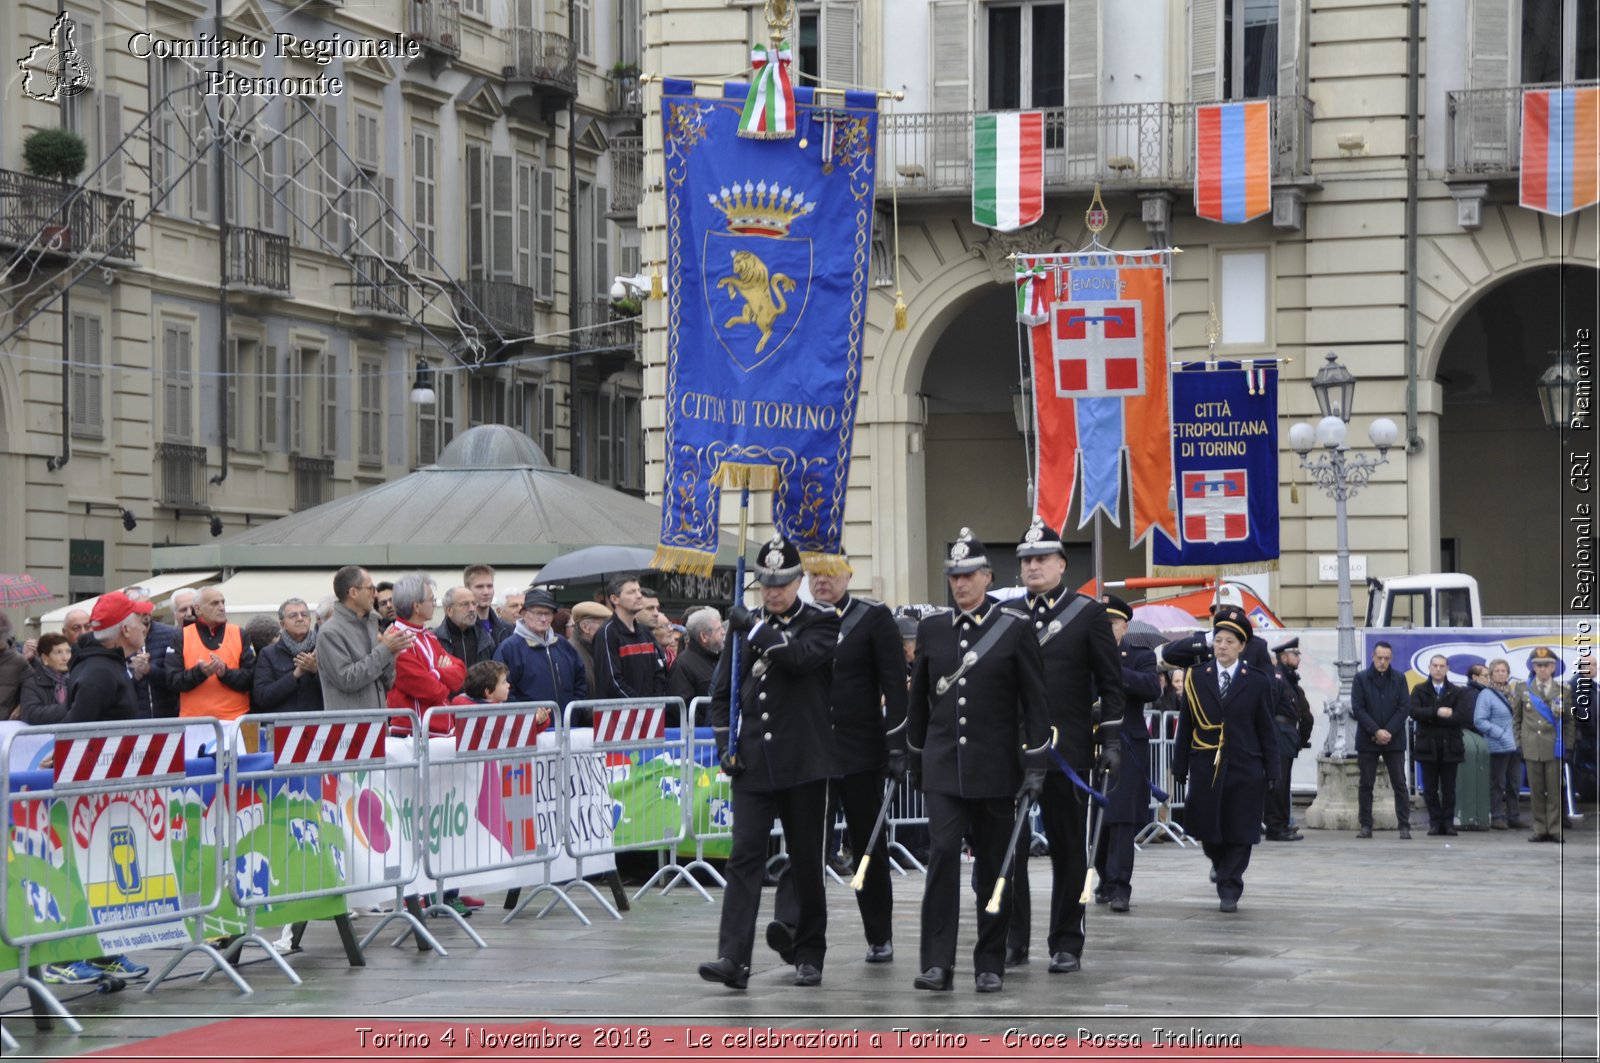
(1560, 149)
(1216, 506)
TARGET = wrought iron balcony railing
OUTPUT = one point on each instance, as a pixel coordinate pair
(547, 60)
(627, 173)
(1121, 145)
(603, 328)
(380, 285)
(64, 219)
(1484, 134)
(625, 95)
(507, 307)
(258, 259)
(182, 480)
(436, 25)
(313, 481)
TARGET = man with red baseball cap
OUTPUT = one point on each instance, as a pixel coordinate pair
(99, 687)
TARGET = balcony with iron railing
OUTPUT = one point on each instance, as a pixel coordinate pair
(546, 61)
(624, 94)
(182, 475)
(313, 481)
(503, 306)
(64, 219)
(258, 259)
(601, 325)
(627, 173)
(1128, 146)
(380, 285)
(1484, 132)
(436, 26)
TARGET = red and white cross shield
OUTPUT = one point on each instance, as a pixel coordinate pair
(1216, 506)
(1099, 349)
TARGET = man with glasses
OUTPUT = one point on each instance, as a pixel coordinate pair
(354, 661)
(210, 666)
(286, 677)
(426, 674)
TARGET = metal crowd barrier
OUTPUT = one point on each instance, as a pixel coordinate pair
(907, 810)
(635, 729)
(505, 740)
(700, 754)
(106, 799)
(1163, 726)
(370, 797)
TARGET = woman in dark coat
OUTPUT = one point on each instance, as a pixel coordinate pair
(1226, 734)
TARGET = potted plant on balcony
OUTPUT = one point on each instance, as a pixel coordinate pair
(627, 306)
(56, 155)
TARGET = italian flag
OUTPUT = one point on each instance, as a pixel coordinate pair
(1008, 163)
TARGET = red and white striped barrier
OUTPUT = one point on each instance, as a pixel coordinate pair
(135, 756)
(517, 730)
(326, 743)
(629, 723)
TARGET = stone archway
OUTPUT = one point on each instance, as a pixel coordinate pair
(1500, 467)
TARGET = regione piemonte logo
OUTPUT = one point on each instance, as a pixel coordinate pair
(1098, 348)
(1216, 506)
(55, 67)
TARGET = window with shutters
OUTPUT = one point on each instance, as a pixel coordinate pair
(525, 408)
(477, 212)
(628, 432)
(177, 383)
(242, 382)
(329, 394)
(327, 183)
(630, 30)
(79, 109)
(167, 132)
(502, 218)
(110, 129)
(829, 49)
(526, 221)
(473, 7)
(1558, 41)
(268, 409)
(436, 422)
(202, 191)
(585, 430)
(241, 179)
(549, 397)
(300, 178)
(602, 245)
(370, 411)
(583, 27)
(310, 388)
(368, 151)
(486, 399)
(1244, 49)
(87, 377)
(424, 186)
(545, 246)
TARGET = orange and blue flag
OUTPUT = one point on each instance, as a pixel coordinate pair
(1560, 149)
(1233, 161)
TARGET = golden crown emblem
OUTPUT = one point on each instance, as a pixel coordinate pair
(761, 209)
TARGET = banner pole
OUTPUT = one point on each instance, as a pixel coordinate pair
(1098, 570)
(738, 599)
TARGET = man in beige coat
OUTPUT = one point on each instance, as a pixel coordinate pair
(1543, 724)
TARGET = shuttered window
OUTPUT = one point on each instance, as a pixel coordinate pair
(330, 405)
(87, 378)
(268, 410)
(424, 150)
(502, 212)
(243, 384)
(111, 177)
(546, 244)
(370, 416)
(177, 384)
(477, 213)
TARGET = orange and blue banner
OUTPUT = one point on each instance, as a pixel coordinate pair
(1560, 149)
(1233, 161)
(1099, 363)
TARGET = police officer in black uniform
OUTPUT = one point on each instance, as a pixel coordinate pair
(1287, 709)
(1080, 665)
(869, 712)
(1227, 750)
(779, 763)
(977, 714)
(1128, 792)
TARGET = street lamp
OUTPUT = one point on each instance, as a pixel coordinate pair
(1555, 387)
(1340, 474)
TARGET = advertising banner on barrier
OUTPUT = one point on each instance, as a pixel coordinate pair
(647, 793)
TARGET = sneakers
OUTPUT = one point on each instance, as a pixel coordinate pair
(76, 973)
(460, 906)
(470, 902)
(120, 967)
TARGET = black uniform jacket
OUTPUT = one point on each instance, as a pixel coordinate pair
(785, 687)
(1227, 749)
(869, 684)
(1081, 663)
(1438, 737)
(1128, 798)
(973, 735)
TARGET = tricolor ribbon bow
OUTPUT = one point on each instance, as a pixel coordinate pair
(1033, 294)
(769, 108)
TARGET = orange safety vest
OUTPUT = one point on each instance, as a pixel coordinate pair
(211, 698)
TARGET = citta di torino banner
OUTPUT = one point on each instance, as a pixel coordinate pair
(1225, 465)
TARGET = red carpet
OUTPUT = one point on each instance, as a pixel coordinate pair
(311, 1039)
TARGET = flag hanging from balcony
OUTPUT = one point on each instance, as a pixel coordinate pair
(1096, 329)
(768, 245)
(1225, 456)
(1008, 169)
(769, 106)
(1560, 149)
(1233, 161)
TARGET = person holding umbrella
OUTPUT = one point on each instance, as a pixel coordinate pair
(977, 714)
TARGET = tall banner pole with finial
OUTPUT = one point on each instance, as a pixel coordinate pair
(730, 762)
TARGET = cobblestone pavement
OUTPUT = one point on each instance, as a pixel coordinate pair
(1479, 945)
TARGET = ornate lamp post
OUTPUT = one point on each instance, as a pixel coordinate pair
(1555, 388)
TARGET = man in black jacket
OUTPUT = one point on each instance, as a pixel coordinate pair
(690, 676)
(779, 762)
(286, 677)
(1287, 704)
(978, 714)
(460, 633)
(869, 706)
(1436, 705)
(99, 688)
(627, 661)
(1081, 666)
(1379, 702)
(162, 637)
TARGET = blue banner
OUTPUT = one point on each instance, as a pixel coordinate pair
(1225, 467)
(768, 247)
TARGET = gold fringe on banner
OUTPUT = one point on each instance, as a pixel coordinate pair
(826, 564)
(1219, 571)
(744, 474)
(682, 559)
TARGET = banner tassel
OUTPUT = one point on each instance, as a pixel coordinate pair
(655, 284)
(900, 322)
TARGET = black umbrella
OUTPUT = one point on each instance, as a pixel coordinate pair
(594, 563)
(1147, 635)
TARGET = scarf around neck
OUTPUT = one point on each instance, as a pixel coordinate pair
(522, 631)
